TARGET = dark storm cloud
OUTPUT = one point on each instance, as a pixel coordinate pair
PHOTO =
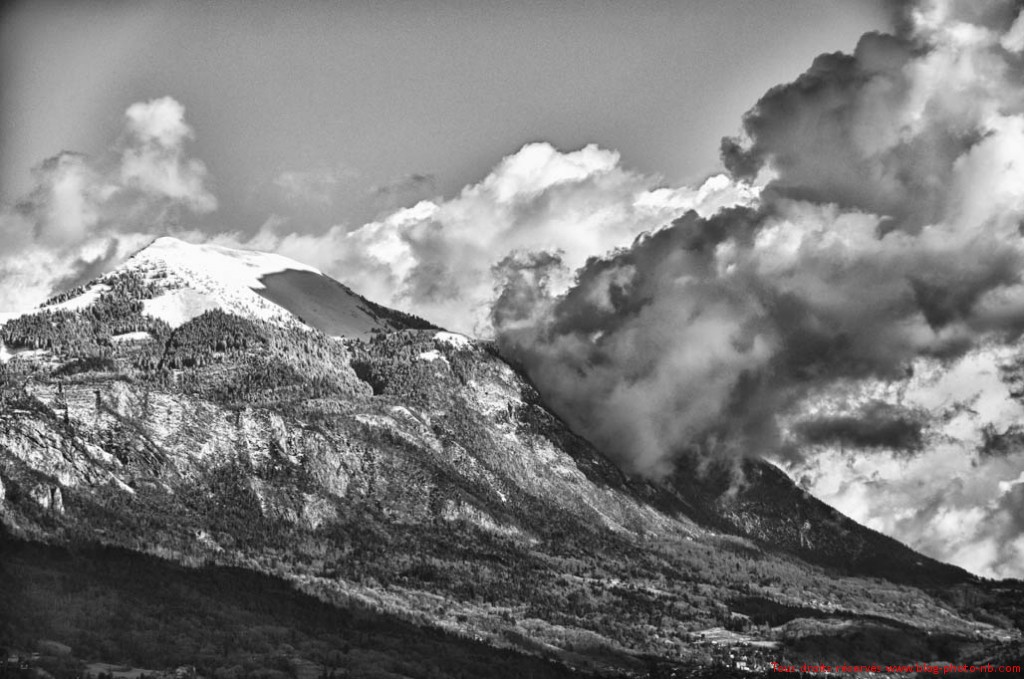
(877, 425)
(830, 136)
(644, 352)
(888, 231)
(996, 443)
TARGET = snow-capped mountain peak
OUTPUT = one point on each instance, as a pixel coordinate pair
(226, 265)
(184, 280)
(196, 278)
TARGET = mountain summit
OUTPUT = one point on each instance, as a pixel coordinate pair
(196, 406)
(184, 280)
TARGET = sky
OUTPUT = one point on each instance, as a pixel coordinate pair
(786, 229)
(356, 101)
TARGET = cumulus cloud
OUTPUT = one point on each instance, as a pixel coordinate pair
(153, 160)
(888, 234)
(890, 230)
(438, 258)
(84, 213)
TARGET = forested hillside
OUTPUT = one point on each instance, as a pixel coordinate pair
(418, 480)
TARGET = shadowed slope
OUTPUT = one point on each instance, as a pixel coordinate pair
(154, 613)
(321, 302)
(332, 308)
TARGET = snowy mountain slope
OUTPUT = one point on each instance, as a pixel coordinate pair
(320, 302)
(186, 280)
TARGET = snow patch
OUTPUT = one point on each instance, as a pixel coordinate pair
(140, 336)
(256, 285)
(121, 485)
(6, 353)
(405, 412)
(76, 303)
(377, 421)
(460, 511)
(86, 299)
(490, 398)
(10, 316)
(432, 355)
(453, 339)
(177, 307)
(215, 277)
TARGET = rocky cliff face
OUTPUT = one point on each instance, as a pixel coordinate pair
(415, 471)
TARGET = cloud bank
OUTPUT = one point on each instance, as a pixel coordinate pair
(85, 213)
(442, 259)
(889, 235)
(891, 230)
(439, 258)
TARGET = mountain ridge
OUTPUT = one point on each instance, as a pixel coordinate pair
(185, 279)
(417, 471)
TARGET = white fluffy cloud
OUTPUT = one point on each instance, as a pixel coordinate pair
(85, 213)
(153, 160)
(437, 259)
